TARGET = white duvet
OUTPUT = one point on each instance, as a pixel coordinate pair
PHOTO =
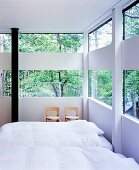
(57, 146)
(79, 133)
(63, 158)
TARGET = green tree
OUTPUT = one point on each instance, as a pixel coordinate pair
(5, 83)
(50, 42)
(132, 22)
(5, 42)
(50, 83)
(56, 83)
(100, 85)
(131, 89)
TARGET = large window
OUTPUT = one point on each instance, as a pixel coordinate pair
(131, 92)
(100, 85)
(50, 83)
(131, 20)
(50, 42)
(101, 36)
(5, 83)
(5, 42)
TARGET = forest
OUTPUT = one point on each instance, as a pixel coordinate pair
(62, 83)
(100, 85)
(50, 83)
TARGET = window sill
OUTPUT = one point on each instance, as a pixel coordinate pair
(100, 102)
(131, 118)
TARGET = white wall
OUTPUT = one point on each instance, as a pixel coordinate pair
(5, 61)
(101, 114)
(102, 58)
(130, 137)
(5, 110)
(50, 61)
(5, 102)
(130, 54)
(33, 109)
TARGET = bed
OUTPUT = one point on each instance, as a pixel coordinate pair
(76, 145)
(74, 133)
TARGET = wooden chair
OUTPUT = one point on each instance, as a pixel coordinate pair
(49, 116)
(70, 110)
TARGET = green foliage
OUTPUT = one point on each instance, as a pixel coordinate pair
(50, 42)
(100, 86)
(7, 83)
(38, 43)
(5, 42)
(131, 92)
(132, 22)
(131, 88)
(71, 42)
(50, 83)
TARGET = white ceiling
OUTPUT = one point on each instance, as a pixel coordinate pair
(51, 15)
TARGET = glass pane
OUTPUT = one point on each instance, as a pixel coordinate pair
(5, 83)
(132, 22)
(131, 92)
(100, 85)
(101, 37)
(50, 83)
(50, 42)
(5, 42)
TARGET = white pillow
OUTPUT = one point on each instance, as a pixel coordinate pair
(96, 128)
(87, 126)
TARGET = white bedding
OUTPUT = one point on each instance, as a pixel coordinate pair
(105, 143)
(57, 146)
(81, 134)
(63, 158)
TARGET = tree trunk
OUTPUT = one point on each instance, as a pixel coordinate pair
(134, 108)
(75, 48)
(55, 90)
(95, 84)
(59, 42)
(1, 84)
(60, 85)
(96, 40)
(2, 43)
(53, 85)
